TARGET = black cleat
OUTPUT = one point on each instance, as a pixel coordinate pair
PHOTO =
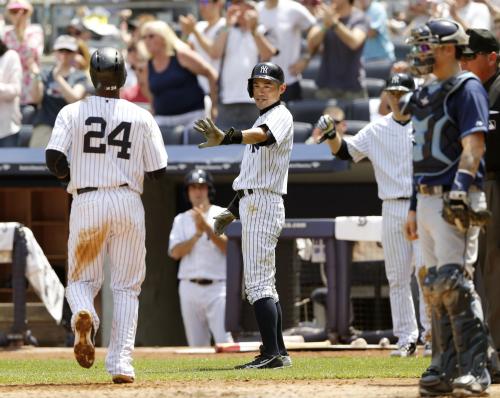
(263, 362)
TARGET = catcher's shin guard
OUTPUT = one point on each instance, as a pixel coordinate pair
(469, 333)
(437, 378)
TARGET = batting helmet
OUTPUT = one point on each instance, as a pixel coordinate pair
(424, 39)
(107, 69)
(400, 82)
(265, 70)
(200, 176)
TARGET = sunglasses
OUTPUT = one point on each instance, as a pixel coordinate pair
(471, 57)
(15, 11)
(148, 36)
(65, 51)
(206, 2)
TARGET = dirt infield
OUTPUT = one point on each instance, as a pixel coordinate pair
(351, 388)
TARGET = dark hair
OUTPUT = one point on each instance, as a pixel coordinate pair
(3, 48)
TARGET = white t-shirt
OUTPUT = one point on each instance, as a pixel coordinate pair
(205, 260)
(476, 15)
(240, 56)
(108, 142)
(11, 75)
(284, 25)
(389, 147)
(210, 33)
(266, 167)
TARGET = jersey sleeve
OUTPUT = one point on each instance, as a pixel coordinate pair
(60, 139)
(176, 234)
(358, 145)
(470, 108)
(155, 154)
(280, 123)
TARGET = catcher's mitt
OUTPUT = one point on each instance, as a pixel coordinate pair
(457, 212)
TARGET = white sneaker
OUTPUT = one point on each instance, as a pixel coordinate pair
(405, 350)
(287, 361)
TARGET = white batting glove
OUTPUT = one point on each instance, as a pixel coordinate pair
(327, 126)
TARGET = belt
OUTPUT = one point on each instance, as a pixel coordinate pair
(244, 192)
(403, 198)
(433, 189)
(79, 191)
(202, 282)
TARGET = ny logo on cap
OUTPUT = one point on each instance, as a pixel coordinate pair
(395, 80)
(263, 69)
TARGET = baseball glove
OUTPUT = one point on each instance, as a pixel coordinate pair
(327, 125)
(457, 212)
(227, 216)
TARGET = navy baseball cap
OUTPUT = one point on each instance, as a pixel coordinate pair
(400, 82)
(481, 41)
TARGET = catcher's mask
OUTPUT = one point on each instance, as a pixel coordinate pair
(200, 176)
(425, 38)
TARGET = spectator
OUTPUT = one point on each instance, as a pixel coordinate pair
(284, 21)
(342, 34)
(137, 59)
(312, 6)
(200, 35)
(470, 14)
(496, 27)
(62, 85)
(492, 6)
(27, 40)
(338, 116)
(378, 45)
(239, 45)
(10, 91)
(177, 97)
(202, 269)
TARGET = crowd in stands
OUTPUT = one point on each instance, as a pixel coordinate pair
(334, 53)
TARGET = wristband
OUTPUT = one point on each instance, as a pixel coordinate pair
(463, 180)
(334, 25)
(232, 136)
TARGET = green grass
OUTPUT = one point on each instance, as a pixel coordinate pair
(63, 371)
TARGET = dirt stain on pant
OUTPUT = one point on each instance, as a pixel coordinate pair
(89, 245)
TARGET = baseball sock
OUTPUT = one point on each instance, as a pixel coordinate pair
(267, 319)
(281, 343)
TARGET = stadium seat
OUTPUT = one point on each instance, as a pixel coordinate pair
(378, 69)
(309, 110)
(172, 135)
(309, 88)
(401, 51)
(24, 135)
(312, 69)
(374, 86)
(358, 109)
(301, 131)
(353, 126)
(194, 137)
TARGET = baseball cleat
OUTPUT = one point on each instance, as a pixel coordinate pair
(287, 361)
(471, 386)
(123, 379)
(405, 350)
(84, 347)
(263, 362)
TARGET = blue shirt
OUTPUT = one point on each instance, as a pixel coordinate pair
(379, 46)
(468, 107)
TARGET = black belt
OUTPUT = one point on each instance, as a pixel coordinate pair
(241, 193)
(79, 191)
(202, 282)
(432, 189)
(403, 198)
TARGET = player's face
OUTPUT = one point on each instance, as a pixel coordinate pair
(481, 64)
(266, 92)
(393, 97)
(198, 194)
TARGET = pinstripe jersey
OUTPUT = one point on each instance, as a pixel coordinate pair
(266, 167)
(389, 147)
(108, 142)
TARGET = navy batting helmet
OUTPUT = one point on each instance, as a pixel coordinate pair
(400, 82)
(426, 37)
(107, 69)
(200, 176)
(265, 70)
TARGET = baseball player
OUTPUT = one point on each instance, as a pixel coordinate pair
(450, 119)
(259, 188)
(202, 270)
(105, 145)
(387, 142)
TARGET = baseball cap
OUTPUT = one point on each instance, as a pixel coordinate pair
(481, 40)
(66, 42)
(18, 5)
(400, 82)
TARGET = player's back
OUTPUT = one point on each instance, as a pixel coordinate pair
(107, 142)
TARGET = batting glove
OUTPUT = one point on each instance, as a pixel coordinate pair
(210, 131)
(327, 125)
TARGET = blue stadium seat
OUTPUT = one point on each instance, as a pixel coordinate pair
(378, 69)
(172, 135)
(401, 51)
(194, 137)
(374, 86)
(312, 69)
(301, 131)
(309, 110)
(358, 109)
(309, 88)
(353, 126)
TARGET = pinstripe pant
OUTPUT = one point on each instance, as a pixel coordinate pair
(108, 221)
(262, 218)
(398, 253)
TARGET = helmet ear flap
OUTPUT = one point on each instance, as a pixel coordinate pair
(250, 87)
